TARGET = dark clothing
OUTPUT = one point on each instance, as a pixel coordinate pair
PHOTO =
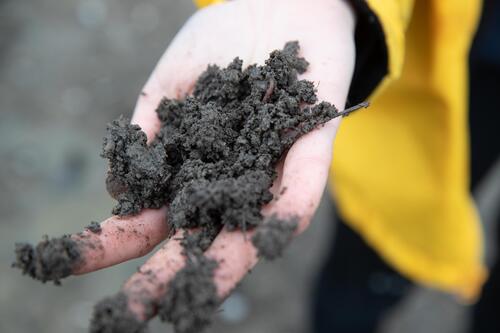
(485, 141)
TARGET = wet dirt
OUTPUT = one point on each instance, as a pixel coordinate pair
(272, 236)
(213, 160)
(213, 163)
(111, 315)
(191, 299)
(51, 259)
(94, 227)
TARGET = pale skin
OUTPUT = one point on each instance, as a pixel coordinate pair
(249, 29)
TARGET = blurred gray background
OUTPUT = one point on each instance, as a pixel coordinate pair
(66, 69)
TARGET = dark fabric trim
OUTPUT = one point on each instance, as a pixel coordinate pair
(371, 54)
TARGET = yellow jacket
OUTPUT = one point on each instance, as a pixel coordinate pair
(400, 172)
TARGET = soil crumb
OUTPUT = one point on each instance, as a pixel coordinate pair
(111, 315)
(51, 260)
(94, 227)
(138, 174)
(191, 299)
(273, 236)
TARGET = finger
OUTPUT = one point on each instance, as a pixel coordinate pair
(140, 296)
(112, 242)
(121, 239)
(235, 255)
(307, 163)
(145, 288)
(304, 175)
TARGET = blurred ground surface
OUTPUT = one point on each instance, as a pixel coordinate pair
(66, 69)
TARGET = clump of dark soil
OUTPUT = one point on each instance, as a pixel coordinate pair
(139, 174)
(192, 298)
(213, 160)
(94, 227)
(273, 236)
(51, 260)
(213, 163)
(111, 315)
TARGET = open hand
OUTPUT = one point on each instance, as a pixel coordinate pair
(249, 29)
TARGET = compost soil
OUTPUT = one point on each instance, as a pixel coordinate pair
(192, 298)
(212, 163)
(51, 260)
(94, 227)
(111, 315)
(273, 236)
(213, 160)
